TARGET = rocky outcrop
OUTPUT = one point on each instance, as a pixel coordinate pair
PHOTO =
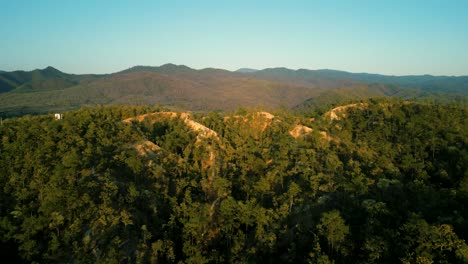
(340, 112)
(300, 130)
(203, 131)
(147, 148)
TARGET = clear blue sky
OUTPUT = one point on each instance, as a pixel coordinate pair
(93, 36)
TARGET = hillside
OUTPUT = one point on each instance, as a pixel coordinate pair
(180, 87)
(383, 181)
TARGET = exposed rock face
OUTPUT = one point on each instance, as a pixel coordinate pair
(340, 112)
(266, 115)
(203, 131)
(147, 148)
(326, 136)
(300, 130)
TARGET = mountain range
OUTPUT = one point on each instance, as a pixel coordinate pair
(178, 86)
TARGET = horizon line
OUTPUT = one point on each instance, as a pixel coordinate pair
(233, 71)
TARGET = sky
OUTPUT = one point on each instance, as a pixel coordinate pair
(97, 36)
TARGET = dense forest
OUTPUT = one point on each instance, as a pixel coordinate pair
(376, 181)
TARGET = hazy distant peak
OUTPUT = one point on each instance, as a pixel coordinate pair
(172, 66)
(214, 71)
(138, 68)
(277, 70)
(50, 70)
(165, 68)
(247, 70)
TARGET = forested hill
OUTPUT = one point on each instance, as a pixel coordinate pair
(376, 181)
(180, 87)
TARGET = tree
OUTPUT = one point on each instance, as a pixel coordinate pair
(332, 227)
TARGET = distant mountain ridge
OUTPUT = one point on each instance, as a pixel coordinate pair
(425, 82)
(179, 86)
